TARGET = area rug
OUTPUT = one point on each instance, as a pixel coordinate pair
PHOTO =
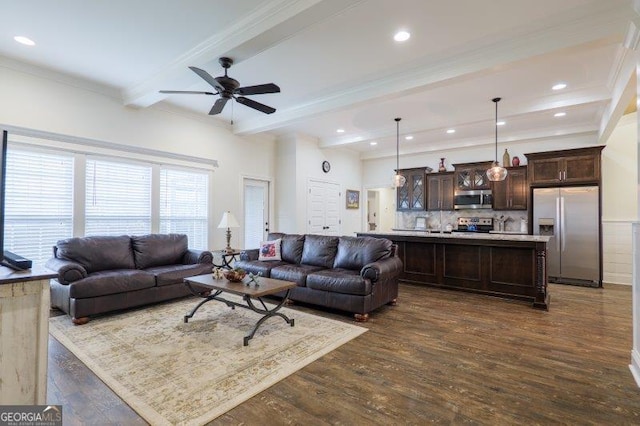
(171, 372)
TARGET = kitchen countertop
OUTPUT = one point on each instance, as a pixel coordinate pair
(463, 235)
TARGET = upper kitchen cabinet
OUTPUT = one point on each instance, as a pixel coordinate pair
(440, 191)
(411, 195)
(567, 167)
(513, 192)
(470, 176)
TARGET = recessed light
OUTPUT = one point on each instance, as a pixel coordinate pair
(402, 36)
(373, 143)
(340, 131)
(24, 40)
(500, 123)
(450, 131)
(559, 86)
(559, 114)
(409, 137)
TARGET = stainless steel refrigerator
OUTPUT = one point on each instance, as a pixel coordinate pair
(571, 217)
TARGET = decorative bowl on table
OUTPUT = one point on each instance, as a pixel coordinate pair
(235, 275)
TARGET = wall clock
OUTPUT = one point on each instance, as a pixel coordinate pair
(326, 166)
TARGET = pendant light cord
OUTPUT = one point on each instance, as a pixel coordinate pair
(397, 145)
(496, 100)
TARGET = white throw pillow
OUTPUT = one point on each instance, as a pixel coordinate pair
(270, 250)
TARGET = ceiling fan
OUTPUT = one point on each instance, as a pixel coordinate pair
(228, 88)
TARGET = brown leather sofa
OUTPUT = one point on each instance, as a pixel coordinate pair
(107, 273)
(352, 274)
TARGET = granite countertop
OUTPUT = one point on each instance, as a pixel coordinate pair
(464, 235)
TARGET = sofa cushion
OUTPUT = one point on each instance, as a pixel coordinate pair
(99, 253)
(355, 252)
(345, 281)
(111, 282)
(258, 267)
(319, 250)
(159, 249)
(295, 273)
(270, 250)
(174, 274)
(291, 246)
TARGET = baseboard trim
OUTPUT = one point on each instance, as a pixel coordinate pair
(635, 366)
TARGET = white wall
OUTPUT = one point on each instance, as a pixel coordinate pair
(619, 200)
(299, 158)
(35, 100)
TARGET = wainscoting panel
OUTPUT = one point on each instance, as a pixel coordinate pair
(617, 252)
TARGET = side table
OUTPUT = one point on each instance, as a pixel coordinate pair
(227, 258)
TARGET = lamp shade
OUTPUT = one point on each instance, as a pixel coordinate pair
(228, 221)
(496, 173)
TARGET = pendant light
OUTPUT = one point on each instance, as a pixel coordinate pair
(496, 173)
(398, 179)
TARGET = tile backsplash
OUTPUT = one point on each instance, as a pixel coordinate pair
(437, 220)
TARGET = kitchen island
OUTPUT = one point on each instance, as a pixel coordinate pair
(503, 265)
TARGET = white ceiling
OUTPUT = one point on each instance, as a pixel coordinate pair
(338, 65)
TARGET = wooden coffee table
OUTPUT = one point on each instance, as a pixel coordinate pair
(265, 287)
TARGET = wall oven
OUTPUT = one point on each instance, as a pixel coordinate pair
(474, 199)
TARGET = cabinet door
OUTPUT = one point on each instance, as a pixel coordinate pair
(464, 179)
(583, 168)
(499, 193)
(404, 201)
(446, 197)
(480, 179)
(546, 170)
(433, 193)
(517, 189)
(417, 189)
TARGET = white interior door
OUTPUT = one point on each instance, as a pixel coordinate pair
(323, 208)
(256, 212)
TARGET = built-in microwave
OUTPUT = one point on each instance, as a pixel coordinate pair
(474, 199)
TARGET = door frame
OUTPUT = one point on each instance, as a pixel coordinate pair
(270, 213)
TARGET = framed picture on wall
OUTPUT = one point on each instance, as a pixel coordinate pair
(353, 199)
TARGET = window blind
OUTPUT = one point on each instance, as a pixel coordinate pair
(38, 202)
(254, 216)
(184, 205)
(118, 198)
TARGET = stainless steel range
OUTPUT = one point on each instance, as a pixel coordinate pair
(475, 224)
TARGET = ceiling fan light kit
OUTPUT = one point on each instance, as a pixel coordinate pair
(496, 173)
(229, 88)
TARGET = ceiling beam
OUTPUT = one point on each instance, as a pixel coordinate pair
(273, 22)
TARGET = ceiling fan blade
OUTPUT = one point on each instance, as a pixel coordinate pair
(258, 90)
(207, 77)
(218, 106)
(256, 105)
(188, 92)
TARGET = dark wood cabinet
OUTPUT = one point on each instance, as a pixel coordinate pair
(440, 191)
(470, 176)
(567, 167)
(513, 192)
(412, 195)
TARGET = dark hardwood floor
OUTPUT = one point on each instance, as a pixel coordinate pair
(438, 356)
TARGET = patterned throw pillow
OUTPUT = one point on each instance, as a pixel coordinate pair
(270, 250)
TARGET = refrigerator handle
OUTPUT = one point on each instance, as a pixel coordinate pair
(562, 215)
(556, 231)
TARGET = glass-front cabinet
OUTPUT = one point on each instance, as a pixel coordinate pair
(470, 176)
(411, 196)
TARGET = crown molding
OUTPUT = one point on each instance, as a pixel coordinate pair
(66, 79)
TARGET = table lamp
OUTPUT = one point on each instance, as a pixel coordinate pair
(228, 221)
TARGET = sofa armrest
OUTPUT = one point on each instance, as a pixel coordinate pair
(251, 254)
(389, 267)
(68, 271)
(192, 257)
